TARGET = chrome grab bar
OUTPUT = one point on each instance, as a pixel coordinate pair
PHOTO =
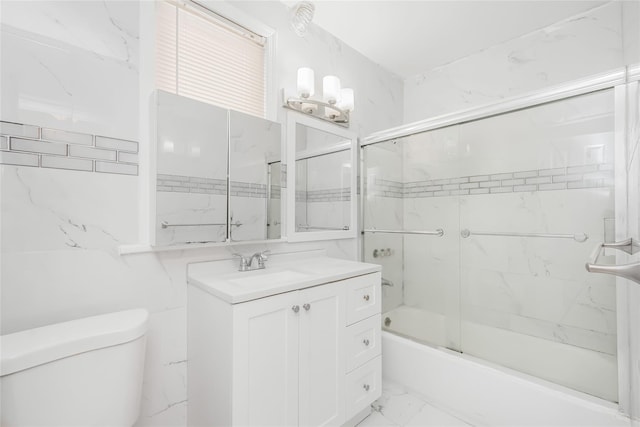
(580, 238)
(165, 224)
(628, 271)
(438, 232)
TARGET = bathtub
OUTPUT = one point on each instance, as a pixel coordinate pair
(483, 393)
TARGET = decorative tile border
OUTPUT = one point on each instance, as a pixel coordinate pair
(327, 195)
(283, 175)
(569, 178)
(276, 192)
(248, 189)
(385, 188)
(33, 146)
(190, 184)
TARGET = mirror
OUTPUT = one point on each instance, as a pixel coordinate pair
(219, 174)
(191, 189)
(255, 159)
(322, 178)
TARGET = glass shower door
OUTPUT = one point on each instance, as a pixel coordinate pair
(407, 191)
(544, 183)
(522, 198)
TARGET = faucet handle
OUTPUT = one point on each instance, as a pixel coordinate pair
(264, 254)
(244, 262)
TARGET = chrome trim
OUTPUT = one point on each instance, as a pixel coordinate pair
(577, 87)
(341, 118)
(165, 224)
(580, 237)
(438, 232)
(311, 227)
(627, 271)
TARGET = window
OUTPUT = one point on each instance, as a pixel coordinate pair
(204, 56)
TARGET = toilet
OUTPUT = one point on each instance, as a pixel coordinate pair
(85, 372)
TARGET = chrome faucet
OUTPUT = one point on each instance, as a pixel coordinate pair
(246, 263)
(261, 257)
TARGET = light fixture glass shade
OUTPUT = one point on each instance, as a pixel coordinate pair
(346, 99)
(330, 89)
(305, 82)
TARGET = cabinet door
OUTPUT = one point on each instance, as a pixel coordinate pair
(322, 369)
(266, 361)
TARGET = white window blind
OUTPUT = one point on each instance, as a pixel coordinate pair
(202, 56)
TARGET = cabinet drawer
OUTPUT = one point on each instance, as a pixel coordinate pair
(364, 385)
(363, 297)
(363, 342)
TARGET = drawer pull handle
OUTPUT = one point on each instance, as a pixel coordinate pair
(366, 297)
(366, 387)
(307, 306)
(365, 342)
(295, 308)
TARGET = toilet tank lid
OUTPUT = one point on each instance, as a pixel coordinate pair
(33, 347)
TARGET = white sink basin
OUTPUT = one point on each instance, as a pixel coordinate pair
(265, 278)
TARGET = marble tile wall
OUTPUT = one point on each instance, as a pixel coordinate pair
(73, 66)
(581, 46)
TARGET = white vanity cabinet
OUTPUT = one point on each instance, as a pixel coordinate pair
(287, 359)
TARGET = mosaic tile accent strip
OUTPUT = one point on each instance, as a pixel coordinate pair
(384, 188)
(276, 192)
(283, 175)
(569, 178)
(248, 189)
(33, 146)
(327, 195)
(191, 184)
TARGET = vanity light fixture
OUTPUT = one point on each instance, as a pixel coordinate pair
(336, 104)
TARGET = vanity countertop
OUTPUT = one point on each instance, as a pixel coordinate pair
(283, 273)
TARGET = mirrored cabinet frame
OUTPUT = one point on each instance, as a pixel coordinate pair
(153, 222)
(348, 144)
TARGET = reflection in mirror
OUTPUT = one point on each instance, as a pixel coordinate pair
(254, 201)
(309, 139)
(323, 192)
(192, 146)
(274, 204)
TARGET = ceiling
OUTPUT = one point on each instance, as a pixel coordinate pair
(412, 37)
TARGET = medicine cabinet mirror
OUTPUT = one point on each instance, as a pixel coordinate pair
(254, 159)
(322, 173)
(218, 174)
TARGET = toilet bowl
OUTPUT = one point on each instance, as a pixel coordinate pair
(86, 372)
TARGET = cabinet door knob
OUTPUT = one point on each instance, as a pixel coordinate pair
(366, 387)
(366, 297)
(307, 306)
(295, 308)
(365, 342)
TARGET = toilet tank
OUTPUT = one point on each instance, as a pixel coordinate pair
(86, 372)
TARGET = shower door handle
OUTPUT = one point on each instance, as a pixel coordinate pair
(627, 271)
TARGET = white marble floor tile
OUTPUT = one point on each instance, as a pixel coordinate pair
(376, 419)
(430, 416)
(396, 404)
(398, 407)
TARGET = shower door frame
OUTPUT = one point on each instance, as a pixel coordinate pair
(619, 80)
